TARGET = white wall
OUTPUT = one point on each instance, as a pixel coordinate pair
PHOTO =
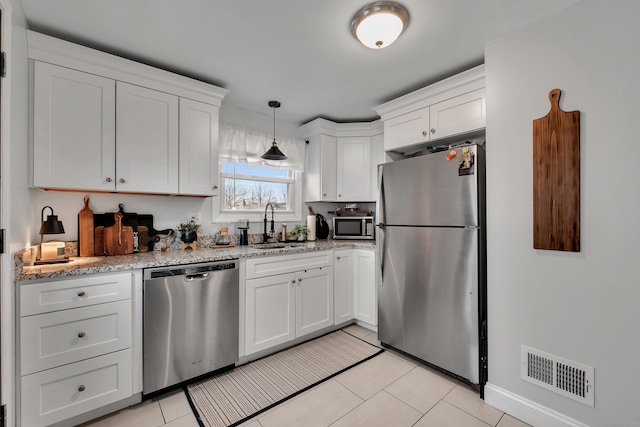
(581, 306)
(15, 198)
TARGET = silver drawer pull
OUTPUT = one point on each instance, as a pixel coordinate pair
(82, 388)
(81, 293)
(81, 334)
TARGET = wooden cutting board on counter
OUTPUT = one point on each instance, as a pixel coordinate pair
(556, 179)
(85, 230)
(118, 238)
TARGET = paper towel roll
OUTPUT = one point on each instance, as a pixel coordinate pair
(311, 225)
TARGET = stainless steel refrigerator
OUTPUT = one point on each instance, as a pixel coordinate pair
(431, 244)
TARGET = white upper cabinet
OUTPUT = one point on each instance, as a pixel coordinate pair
(354, 169)
(146, 140)
(198, 148)
(406, 129)
(105, 123)
(339, 164)
(74, 127)
(442, 111)
(320, 169)
(461, 114)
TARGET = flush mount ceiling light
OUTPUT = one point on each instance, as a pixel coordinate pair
(379, 24)
(274, 152)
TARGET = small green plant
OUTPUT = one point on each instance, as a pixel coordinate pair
(187, 228)
(299, 230)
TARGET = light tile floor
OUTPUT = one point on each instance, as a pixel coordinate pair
(388, 390)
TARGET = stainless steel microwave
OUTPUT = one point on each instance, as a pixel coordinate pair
(353, 227)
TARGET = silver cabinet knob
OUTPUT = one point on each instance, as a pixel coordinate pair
(82, 388)
(108, 179)
(433, 130)
(424, 133)
(81, 334)
(122, 180)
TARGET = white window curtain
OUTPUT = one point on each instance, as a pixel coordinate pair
(239, 145)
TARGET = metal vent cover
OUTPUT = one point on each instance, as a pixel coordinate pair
(565, 377)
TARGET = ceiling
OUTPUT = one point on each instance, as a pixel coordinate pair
(299, 52)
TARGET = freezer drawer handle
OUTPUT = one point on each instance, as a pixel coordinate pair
(192, 277)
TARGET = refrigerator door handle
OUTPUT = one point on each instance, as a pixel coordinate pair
(380, 252)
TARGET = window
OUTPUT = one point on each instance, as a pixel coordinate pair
(246, 189)
(250, 188)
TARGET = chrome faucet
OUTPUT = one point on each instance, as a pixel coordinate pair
(265, 237)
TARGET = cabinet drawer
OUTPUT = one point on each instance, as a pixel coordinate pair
(72, 293)
(57, 394)
(269, 266)
(54, 339)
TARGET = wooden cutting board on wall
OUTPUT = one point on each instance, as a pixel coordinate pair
(556, 179)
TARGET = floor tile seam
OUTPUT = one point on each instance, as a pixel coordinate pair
(363, 401)
(465, 411)
(164, 416)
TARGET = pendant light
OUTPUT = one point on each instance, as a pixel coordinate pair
(379, 24)
(274, 152)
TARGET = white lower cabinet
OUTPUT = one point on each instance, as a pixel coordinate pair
(355, 286)
(343, 281)
(287, 297)
(366, 306)
(76, 342)
(56, 394)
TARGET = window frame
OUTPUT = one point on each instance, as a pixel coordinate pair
(219, 214)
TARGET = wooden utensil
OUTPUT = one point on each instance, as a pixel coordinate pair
(556, 179)
(118, 238)
(98, 241)
(85, 230)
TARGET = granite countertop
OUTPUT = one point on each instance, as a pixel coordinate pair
(104, 264)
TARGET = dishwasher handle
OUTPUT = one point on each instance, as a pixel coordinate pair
(194, 277)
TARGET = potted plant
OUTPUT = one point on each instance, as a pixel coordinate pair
(188, 231)
(300, 231)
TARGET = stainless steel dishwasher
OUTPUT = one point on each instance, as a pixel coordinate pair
(190, 323)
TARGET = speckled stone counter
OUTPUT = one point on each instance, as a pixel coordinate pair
(104, 264)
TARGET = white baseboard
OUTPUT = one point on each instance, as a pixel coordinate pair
(526, 410)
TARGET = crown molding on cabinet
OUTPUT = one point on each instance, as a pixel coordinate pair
(448, 88)
(55, 51)
(339, 130)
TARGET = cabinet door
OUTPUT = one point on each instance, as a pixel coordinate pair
(343, 280)
(461, 114)
(270, 311)
(320, 169)
(406, 129)
(377, 158)
(73, 129)
(61, 337)
(147, 140)
(354, 169)
(365, 286)
(57, 394)
(198, 148)
(314, 300)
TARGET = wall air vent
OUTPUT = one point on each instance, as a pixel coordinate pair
(565, 377)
